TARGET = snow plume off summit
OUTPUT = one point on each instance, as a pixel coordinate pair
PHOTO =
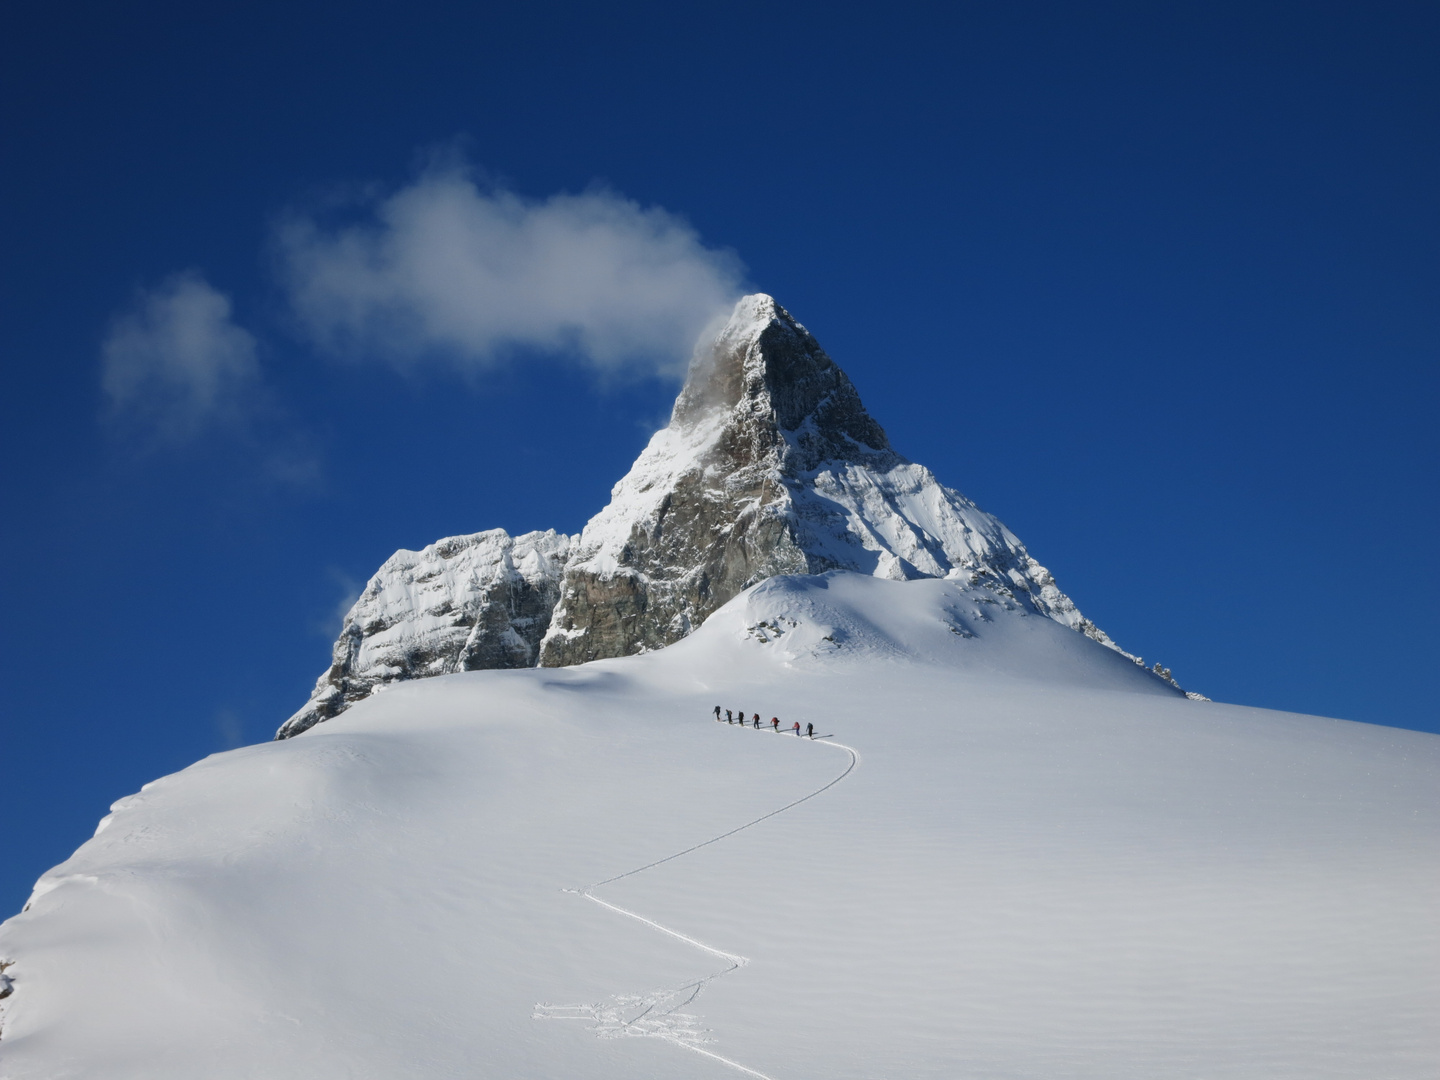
(770, 465)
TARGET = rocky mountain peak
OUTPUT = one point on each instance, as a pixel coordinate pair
(765, 371)
(770, 465)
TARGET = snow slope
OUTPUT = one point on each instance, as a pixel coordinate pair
(1016, 854)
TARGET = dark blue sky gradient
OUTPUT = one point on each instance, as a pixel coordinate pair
(1159, 285)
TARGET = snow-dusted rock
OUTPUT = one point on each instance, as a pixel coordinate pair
(769, 465)
(463, 603)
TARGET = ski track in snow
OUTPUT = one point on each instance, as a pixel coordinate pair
(657, 1014)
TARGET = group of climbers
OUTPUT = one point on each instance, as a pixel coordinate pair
(739, 718)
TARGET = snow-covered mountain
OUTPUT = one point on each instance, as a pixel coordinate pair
(770, 465)
(1009, 852)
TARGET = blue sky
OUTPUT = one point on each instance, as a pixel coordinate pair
(1158, 285)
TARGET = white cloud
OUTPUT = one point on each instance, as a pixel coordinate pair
(445, 269)
(176, 361)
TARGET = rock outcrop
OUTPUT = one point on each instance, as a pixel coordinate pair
(769, 465)
(463, 603)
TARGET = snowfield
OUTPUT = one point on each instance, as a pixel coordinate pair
(1014, 854)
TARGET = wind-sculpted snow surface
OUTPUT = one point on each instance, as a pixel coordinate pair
(770, 465)
(656, 1014)
(1049, 865)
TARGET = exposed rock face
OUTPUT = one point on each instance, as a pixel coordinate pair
(464, 603)
(770, 465)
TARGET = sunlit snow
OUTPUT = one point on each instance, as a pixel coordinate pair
(1009, 852)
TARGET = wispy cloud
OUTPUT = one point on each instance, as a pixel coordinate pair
(176, 361)
(230, 728)
(348, 591)
(447, 269)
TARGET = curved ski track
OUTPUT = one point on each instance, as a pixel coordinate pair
(657, 1014)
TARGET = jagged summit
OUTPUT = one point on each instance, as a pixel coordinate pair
(707, 508)
(765, 366)
(770, 465)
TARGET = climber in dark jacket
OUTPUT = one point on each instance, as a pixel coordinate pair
(717, 714)
(810, 730)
